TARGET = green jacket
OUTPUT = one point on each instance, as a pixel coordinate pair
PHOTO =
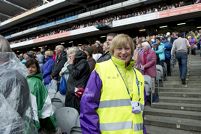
(41, 102)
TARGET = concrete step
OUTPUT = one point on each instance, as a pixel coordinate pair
(176, 68)
(172, 122)
(195, 73)
(195, 62)
(179, 89)
(177, 106)
(180, 100)
(190, 77)
(172, 113)
(179, 84)
(181, 94)
(192, 72)
(162, 130)
(194, 67)
(178, 80)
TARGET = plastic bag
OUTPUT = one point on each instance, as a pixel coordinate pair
(79, 92)
(16, 113)
(63, 85)
(52, 88)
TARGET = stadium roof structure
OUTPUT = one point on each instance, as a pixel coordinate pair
(11, 8)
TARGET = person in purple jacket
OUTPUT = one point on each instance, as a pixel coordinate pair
(47, 67)
(113, 99)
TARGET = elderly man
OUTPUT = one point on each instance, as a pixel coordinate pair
(60, 61)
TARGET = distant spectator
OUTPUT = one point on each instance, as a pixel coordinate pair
(97, 51)
(148, 65)
(105, 46)
(26, 56)
(137, 52)
(193, 43)
(70, 52)
(91, 61)
(106, 55)
(64, 71)
(160, 52)
(31, 54)
(180, 49)
(153, 39)
(48, 67)
(60, 61)
(173, 37)
(40, 58)
(148, 60)
(168, 47)
(20, 56)
(79, 72)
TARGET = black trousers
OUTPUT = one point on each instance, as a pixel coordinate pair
(167, 61)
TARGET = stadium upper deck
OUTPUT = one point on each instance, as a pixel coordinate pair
(65, 20)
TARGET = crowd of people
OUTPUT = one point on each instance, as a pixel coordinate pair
(104, 82)
(110, 19)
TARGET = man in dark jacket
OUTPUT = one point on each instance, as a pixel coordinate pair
(79, 72)
(106, 56)
(168, 47)
(60, 61)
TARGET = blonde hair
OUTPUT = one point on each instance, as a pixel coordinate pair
(49, 53)
(122, 40)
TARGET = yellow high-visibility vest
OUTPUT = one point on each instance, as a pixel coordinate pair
(115, 110)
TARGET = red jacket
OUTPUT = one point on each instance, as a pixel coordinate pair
(148, 60)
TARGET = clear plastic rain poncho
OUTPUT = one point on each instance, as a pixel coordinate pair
(16, 115)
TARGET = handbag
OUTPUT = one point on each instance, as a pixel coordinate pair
(63, 85)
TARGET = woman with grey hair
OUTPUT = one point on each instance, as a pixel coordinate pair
(70, 54)
(64, 71)
(148, 64)
(15, 105)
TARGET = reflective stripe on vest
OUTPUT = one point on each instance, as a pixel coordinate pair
(116, 103)
(115, 110)
(120, 126)
(138, 127)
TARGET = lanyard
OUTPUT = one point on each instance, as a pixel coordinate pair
(137, 82)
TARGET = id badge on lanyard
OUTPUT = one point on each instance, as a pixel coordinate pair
(136, 108)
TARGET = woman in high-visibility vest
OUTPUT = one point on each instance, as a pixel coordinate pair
(113, 100)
